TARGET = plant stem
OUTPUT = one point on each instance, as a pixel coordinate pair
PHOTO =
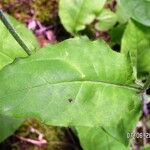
(13, 32)
(147, 83)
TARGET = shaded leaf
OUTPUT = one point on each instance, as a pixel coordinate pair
(96, 79)
(116, 34)
(137, 9)
(136, 41)
(7, 126)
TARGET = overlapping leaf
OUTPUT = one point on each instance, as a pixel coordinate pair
(137, 9)
(107, 19)
(7, 126)
(97, 139)
(9, 48)
(76, 82)
(75, 14)
(136, 41)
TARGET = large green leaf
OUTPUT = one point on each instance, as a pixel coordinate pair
(137, 9)
(75, 14)
(97, 139)
(7, 126)
(136, 41)
(9, 48)
(76, 82)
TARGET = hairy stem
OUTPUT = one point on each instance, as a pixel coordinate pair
(14, 33)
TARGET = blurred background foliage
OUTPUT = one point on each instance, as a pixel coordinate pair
(23, 10)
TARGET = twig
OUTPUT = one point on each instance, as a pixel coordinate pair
(42, 142)
(34, 142)
(13, 32)
(38, 142)
(40, 135)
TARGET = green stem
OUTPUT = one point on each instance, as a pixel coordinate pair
(147, 83)
(14, 33)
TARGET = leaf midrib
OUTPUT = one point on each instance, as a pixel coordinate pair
(130, 87)
(78, 15)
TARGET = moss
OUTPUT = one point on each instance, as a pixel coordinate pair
(50, 133)
(45, 10)
(55, 137)
(41, 10)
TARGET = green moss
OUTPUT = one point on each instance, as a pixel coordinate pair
(43, 10)
(53, 135)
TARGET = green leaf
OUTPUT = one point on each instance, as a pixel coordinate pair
(136, 41)
(116, 34)
(76, 14)
(107, 19)
(97, 139)
(76, 82)
(9, 48)
(137, 9)
(146, 147)
(7, 126)
(122, 15)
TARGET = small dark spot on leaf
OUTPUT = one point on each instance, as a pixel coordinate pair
(70, 100)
